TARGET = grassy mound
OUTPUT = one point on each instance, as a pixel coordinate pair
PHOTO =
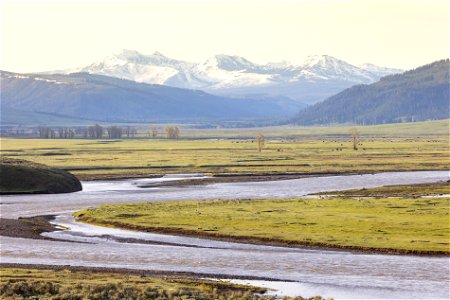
(25, 177)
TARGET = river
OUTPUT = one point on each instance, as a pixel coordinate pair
(338, 274)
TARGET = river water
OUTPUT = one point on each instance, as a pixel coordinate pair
(338, 274)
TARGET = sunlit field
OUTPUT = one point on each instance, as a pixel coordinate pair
(92, 159)
(400, 224)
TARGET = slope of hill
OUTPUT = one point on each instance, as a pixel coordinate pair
(417, 95)
(24, 177)
(316, 78)
(97, 97)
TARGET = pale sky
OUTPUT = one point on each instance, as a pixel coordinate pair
(40, 36)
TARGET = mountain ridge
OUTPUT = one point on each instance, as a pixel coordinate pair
(232, 75)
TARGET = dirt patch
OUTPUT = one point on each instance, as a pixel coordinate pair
(29, 228)
(230, 178)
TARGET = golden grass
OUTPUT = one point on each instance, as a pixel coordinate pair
(91, 159)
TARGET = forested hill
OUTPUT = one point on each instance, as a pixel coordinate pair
(417, 95)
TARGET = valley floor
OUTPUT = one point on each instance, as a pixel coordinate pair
(110, 159)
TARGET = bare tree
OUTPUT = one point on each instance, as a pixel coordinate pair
(91, 132)
(114, 132)
(355, 137)
(153, 132)
(126, 131)
(172, 132)
(84, 132)
(95, 132)
(98, 131)
(44, 132)
(52, 134)
(133, 132)
(260, 141)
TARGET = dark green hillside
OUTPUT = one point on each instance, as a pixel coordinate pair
(24, 177)
(417, 95)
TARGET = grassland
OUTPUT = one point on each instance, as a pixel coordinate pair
(305, 152)
(19, 283)
(390, 225)
(415, 190)
(415, 129)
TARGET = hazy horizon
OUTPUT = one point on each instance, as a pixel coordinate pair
(42, 36)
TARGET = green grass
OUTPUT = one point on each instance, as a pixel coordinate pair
(18, 283)
(416, 190)
(403, 225)
(94, 159)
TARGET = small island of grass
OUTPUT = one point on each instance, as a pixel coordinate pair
(400, 225)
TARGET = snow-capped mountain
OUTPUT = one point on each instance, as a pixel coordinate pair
(327, 67)
(381, 71)
(318, 77)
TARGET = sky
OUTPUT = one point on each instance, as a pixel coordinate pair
(41, 36)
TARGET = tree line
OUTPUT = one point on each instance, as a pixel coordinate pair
(111, 132)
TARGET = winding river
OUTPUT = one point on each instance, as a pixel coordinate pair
(339, 274)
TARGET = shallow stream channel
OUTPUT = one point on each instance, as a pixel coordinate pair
(295, 271)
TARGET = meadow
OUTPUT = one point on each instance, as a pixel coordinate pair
(392, 225)
(300, 150)
(415, 190)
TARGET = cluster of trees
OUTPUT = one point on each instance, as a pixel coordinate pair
(94, 132)
(49, 133)
(114, 132)
(46, 133)
(97, 132)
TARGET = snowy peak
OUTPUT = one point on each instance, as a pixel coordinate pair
(133, 56)
(229, 63)
(381, 71)
(328, 67)
(322, 61)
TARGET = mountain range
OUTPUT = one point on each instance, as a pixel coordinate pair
(416, 95)
(80, 97)
(84, 96)
(318, 77)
